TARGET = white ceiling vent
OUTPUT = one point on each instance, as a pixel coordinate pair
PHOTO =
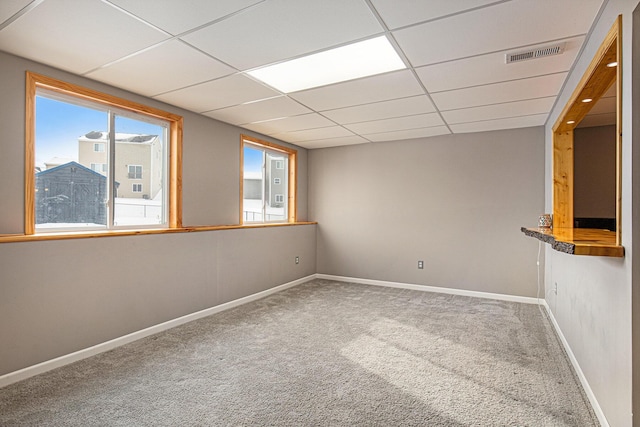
(538, 52)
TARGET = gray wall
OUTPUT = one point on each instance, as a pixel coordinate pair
(594, 187)
(457, 202)
(57, 297)
(62, 296)
(593, 303)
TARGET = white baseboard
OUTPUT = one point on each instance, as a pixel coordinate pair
(576, 366)
(30, 371)
(425, 288)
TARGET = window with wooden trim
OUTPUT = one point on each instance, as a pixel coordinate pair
(80, 144)
(263, 165)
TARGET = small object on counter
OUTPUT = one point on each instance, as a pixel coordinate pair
(544, 221)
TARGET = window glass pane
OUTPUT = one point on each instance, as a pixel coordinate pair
(139, 173)
(267, 170)
(253, 185)
(276, 201)
(69, 193)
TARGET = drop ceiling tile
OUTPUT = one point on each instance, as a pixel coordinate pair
(500, 111)
(290, 124)
(279, 29)
(8, 8)
(176, 17)
(314, 134)
(603, 119)
(514, 23)
(420, 11)
(80, 44)
(610, 92)
(332, 142)
(150, 73)
(383, 87)
(535, 87)
(604, 105)
(510, 123)
(408, 134)
(271, 108)
(398, 123)
(220, 93)
(382, 110)
(492, 68)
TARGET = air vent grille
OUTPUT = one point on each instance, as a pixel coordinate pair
(540, 52)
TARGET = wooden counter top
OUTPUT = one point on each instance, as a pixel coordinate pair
(578, 241)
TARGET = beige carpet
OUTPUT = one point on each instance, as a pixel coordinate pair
(323, 353)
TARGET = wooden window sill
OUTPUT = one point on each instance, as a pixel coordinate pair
(578, 241)
(6, 238)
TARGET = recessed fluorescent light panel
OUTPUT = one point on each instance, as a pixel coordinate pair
(366, 58)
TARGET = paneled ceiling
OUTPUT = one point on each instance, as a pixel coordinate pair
(195, 54)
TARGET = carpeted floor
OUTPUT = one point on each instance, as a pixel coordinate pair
(323, 353)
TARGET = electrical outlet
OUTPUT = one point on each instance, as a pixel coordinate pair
(297, 260)
(555, 288)
(420, 265)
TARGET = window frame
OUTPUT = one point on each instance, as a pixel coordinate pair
(36, 81)
(102, 169)
(292, 188)
(135, 175)
(134, 185)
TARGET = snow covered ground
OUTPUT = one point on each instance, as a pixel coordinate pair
(132, 212)
(128, 212)
(137, 212)
(252, 211)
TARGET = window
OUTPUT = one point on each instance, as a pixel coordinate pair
(88, 192)
(263, 165)
(135, 172)
(99, 167)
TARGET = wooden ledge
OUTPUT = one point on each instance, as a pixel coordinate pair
(578, 241)
(7, 238)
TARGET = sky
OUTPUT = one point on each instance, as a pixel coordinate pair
(59, 124)
(252, 160)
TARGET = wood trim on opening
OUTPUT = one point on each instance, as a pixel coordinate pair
(175, 174)
(241, 213)
(30, 156)
(35, 81)
(619, 133)
(596, 80)
(563, 169)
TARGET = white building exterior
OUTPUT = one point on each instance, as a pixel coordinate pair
(138, 161)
